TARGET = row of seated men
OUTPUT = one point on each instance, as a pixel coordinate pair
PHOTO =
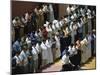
(44, 45)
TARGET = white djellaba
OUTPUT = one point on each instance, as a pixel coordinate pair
(58, 53)
(68, 10)
(85, 51)
(44, 54)
(50, 55)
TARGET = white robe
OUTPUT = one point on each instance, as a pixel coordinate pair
(38, 48)
(66, 20)
(75, 15)
(89, 46)
(57, 26)
(44, 51)
(50, 55)
(61, 23)
(45, 8)
(14, 22)
(72, 8)
(80, 27)
(17, 60)
(49, 30)
(68, 10)
(26, 17)
(53, 27)
(23, 57)
(34, 53)
(67, 30)
(73, 32)
(72, 17)
(28, 41)
(58, 53)
(85, 51)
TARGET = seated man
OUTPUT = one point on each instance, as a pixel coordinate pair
(67, 66)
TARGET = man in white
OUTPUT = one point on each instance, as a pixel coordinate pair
(68, 10)
(58, 53)
(72, 17)
(73, 28)
(65, 59)
(44, 53)
(26, 16)
(45, 8)
(35, 57)
(75, 15)
(80, 30)
(82, 11)
(89, 20)
(54, 27)
(17, 24)
(89, 44)
(72, 8)
(50, 55)
(85, 51)
(28, 41)
(49, 30)
(72, 51)
(46, 11)
(56, 23)
(66, 64)
(18, 63)
(24, 59)
(38, 48)
(61, 22)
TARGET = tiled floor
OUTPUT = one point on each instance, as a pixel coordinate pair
(58, 66)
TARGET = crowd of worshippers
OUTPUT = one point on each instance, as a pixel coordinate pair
(43, 39)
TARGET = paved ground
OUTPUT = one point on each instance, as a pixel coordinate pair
(58, 66)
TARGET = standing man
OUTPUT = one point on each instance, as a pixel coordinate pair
(58, 53)
(38, 48)
(17, 45)
(44, 53)
(30, 59)
(35, 58)
(17, 24)
(50, 54)
(24, 59)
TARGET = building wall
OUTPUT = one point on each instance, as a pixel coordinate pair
(62, 10)
(20, 7)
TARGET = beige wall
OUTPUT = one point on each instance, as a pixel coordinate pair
(62, 10)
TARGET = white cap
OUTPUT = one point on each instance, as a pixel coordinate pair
(47, 22)
(55, 21)
(45, 25)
